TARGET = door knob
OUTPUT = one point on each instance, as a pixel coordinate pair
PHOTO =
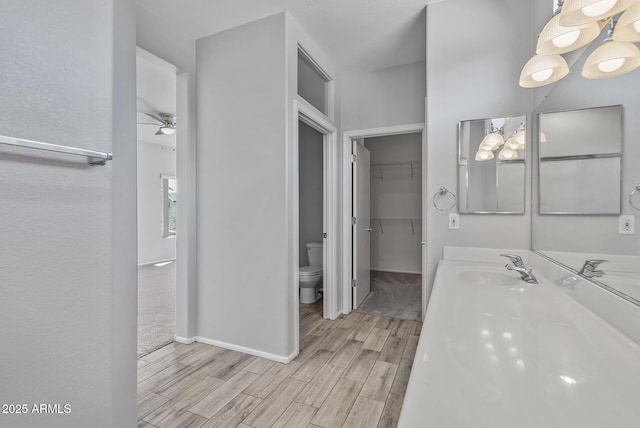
(368, 229)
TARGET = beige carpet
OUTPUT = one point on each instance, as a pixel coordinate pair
(156, 306)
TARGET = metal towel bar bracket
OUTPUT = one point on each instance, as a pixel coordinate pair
(442, 193)
(93, 158)
(633, 192)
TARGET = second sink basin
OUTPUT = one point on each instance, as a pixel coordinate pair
(488, 277)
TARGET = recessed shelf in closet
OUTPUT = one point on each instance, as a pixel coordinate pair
(405, 163)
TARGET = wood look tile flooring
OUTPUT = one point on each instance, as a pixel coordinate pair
(351, 372)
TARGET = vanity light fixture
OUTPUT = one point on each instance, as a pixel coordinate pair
(484, 155)
(557, 39)
(612, 58)
(507, 154)
(628, 26)
(578, 23)
(578, 12)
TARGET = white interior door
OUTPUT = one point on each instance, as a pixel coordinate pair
(362, 226)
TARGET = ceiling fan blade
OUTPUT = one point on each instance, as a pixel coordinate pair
(159, 132)
(155, 116)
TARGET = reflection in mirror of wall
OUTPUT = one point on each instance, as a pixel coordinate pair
(580, 161)
(491, 165)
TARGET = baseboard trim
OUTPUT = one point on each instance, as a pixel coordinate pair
(185, 340)
(245, 350)
(397, 271)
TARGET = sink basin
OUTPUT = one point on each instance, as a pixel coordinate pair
(488, 277)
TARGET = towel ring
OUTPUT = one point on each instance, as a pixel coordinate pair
(633, 192)
(442, 193)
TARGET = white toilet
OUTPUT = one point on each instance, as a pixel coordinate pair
(310, 278)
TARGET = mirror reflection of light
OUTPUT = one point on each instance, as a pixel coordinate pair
(513, 349)
(520, 364)
(485, 332)
(568, 380)
(494, 358)
(507, 335)
(489, 346)
(162, 264)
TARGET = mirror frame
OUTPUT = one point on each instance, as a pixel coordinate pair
(581, 157)
(523, 161)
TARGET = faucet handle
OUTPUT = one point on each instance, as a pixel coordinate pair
(516, 260)
(594, 262)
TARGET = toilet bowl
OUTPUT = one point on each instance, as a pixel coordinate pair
(310, 277)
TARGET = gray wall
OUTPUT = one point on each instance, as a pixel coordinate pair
(153, 160)
(395, 194)
(472, 74)
(241, 194)
(67, 308)
(311, 187)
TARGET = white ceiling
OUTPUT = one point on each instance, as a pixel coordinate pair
(355, 34)
(156, 93)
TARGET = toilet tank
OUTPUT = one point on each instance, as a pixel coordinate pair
(314, 253)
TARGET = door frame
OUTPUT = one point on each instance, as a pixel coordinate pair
(305, 112)
(347, 201)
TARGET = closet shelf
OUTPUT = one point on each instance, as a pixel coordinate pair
(406, 163)
(397, 220)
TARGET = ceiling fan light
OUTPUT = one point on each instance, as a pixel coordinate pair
(542, 70)
(557, 39)
(167, 130)
(628, 26)
(577, 12)
(610, 59)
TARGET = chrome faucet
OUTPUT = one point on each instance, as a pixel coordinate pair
(590, 268)
(518, 266)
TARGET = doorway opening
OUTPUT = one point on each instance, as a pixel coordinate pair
(157, 190)
(384, 252)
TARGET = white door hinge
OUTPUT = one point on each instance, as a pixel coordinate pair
(353, 221)
(353, 283)
(353, 158)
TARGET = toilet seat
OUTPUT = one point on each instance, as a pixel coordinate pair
(307, 271)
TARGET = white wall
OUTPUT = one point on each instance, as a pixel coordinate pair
(67, 301)
(242, 246)
(396, 194)
(311, 187)
(387, 97)
(472, 75)
(153, 160)
(168, 41)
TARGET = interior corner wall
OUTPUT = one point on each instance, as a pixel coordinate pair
(387, 97)
(311, 144)
(243, 291)
(473, 75)
(67, 301)
(153, 161)
(168, 41)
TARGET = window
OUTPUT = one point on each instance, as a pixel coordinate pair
(169, 189)
(313, 82)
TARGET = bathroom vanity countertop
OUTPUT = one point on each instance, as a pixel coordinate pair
(517, 355)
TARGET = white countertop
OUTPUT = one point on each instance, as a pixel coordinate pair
(518, 356)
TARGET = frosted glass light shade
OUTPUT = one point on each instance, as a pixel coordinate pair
(517, 141)
(628, 26)
(493, 140)
(578, 12)
(556, 39)
(612, 58)
(542, 70)
(507, 154)
(542, 137)
(484, 155)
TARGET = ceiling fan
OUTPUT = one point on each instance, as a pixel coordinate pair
(166, 121)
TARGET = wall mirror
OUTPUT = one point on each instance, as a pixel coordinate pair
(582, 171)
(491, 165)
(580, 159)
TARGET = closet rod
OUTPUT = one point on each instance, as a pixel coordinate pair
(94, 158)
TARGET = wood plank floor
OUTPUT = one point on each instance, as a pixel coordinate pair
(351, 372)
